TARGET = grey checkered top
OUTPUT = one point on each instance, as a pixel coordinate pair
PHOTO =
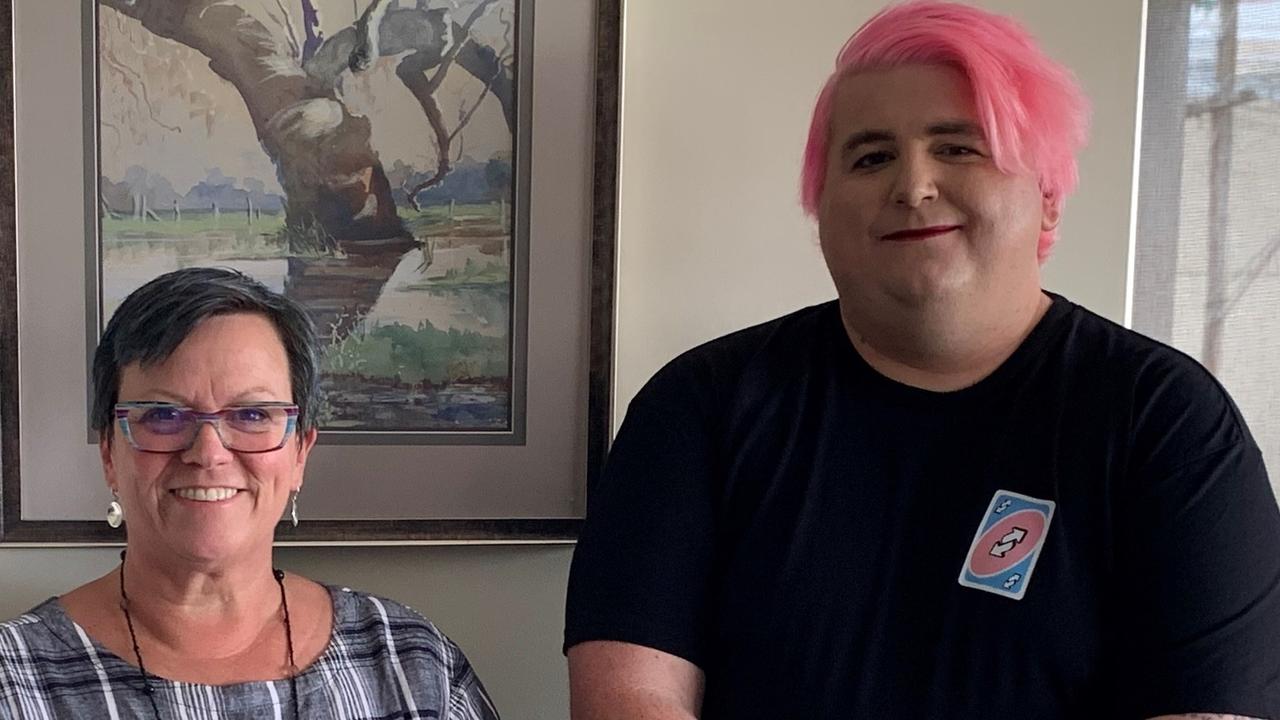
(383, 661)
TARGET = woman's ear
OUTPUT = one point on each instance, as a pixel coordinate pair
(306, 441)
(108, 464)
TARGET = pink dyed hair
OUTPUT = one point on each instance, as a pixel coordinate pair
(1031, 110)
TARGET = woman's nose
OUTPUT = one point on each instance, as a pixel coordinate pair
(207, 447)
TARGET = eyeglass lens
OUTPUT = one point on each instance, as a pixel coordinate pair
(168, 428)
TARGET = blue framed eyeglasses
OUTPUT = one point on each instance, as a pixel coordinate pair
(160, 427)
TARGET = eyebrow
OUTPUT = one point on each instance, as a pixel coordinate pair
(245, 397)
(163, 395)
(945, 127)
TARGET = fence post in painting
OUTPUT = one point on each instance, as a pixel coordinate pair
(216, 214)
(177, 211)
(451, 202)
(502, 213)
(248, 208)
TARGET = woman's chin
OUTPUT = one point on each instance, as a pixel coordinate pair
(213, 543)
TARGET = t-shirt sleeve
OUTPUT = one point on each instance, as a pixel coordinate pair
(1198, 563)
(642, 566)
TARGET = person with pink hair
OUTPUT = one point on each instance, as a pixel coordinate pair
(948, 492)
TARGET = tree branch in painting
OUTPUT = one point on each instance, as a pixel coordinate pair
(412, 72)
(484, 63)
(136, 86)
(291, 34)
(310, 26)
(433, 43)
(342, 191)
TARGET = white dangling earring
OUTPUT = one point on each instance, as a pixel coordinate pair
(293, 507)
(115, 513)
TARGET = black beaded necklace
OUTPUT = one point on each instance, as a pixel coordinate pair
(146, 677)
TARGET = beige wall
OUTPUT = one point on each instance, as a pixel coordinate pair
(711, 239)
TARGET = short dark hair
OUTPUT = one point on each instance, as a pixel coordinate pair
(154, 320)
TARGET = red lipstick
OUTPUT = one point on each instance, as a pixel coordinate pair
(921, 233)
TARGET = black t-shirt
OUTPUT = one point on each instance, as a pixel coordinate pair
(1087, 532)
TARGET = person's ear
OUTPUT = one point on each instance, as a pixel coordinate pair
(306, 441)
(1050, 213)
(108, 464)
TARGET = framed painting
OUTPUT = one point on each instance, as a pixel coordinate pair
(432, 181)
(368, 159)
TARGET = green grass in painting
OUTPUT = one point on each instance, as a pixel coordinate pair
(472, 274)
(191, 225)
(229, 237)
(267, 235)
(479, 220)
(417, 354)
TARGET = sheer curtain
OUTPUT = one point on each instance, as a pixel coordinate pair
(1207, 266)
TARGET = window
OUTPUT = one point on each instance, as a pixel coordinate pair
(1207, 263)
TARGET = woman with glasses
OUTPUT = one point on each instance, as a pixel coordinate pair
(204, 399)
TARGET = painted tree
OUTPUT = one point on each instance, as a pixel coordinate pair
(428, 43)
(330, 174)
